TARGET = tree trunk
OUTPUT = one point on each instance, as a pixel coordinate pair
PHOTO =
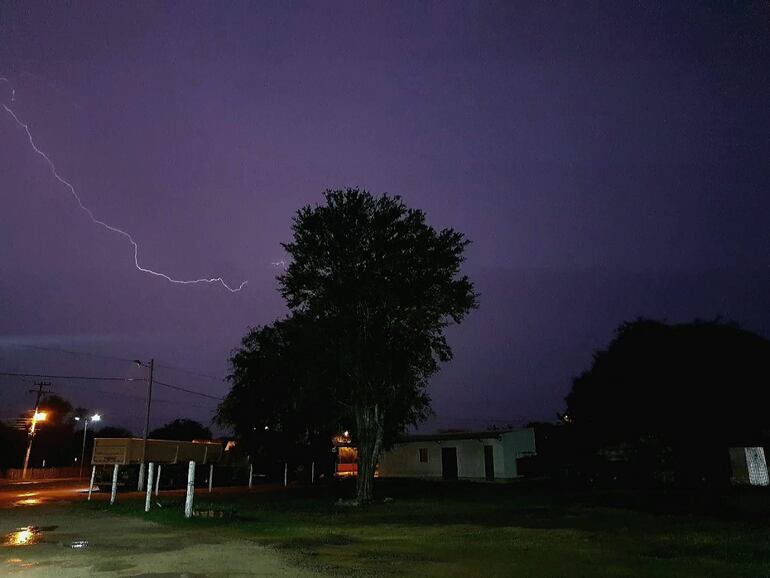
(369, 424)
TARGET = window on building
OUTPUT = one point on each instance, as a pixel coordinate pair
(424, 455)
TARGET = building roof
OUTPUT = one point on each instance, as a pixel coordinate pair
(459, 435)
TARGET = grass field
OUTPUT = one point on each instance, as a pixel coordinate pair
(433, 529)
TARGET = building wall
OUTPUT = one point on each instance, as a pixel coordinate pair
(516, 444)
(403, 460)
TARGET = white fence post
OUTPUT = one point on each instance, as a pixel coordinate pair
(211, 477)
(114, 485)
(157, 480)
(188, 503)
(140, 484)
(312, 473)
(148, 497)
(285, 474)
(251, 474)
(91, 485)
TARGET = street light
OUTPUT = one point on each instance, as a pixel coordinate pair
(93, 418)
(36, 417)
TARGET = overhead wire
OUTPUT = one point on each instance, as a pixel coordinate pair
(111, 357)
(187, 371)
(69, 351)
(79, 377)
(110, 379)
(179, 388)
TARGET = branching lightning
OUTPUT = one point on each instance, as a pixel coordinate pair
(107, 226)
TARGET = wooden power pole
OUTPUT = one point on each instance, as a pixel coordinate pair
(31, 435)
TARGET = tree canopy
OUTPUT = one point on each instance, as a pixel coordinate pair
(278, 405)
(112, 432)
(371, 287)
(381, 286)
(181, 430)
(694, 388)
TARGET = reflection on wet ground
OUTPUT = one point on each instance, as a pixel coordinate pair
(28, 502)
(28, 499)
(169, 575)
(23, 536)
(19, 563)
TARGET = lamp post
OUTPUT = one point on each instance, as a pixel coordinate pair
(93, 418)
(151, 367)
(36, 417)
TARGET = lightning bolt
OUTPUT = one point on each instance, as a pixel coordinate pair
(107, 226)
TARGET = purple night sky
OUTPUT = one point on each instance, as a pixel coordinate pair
(607, 162)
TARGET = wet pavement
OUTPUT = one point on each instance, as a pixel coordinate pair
(41, 492)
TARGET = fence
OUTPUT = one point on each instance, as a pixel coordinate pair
(40, 473)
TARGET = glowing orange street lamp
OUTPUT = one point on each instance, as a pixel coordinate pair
(36, 417)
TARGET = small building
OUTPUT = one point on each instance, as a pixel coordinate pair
(488, 455)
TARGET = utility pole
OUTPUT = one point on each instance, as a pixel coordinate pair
(151, 367)
(40, 385)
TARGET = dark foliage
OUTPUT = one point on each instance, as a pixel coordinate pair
(12, 443)
(381, 286)
(280, 404)
(55, 440)
(675, 397)
(58, 440)
(113, 432)
(182, 430)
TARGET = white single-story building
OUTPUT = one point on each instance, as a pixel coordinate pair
(489, 455)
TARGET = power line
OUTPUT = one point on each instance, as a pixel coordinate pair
(187, 371)
(189, 391)
(109, 378)
(123, 393)
(102, 378)
(113, 358)
(82, 377)
(110, 391)
(71, 352)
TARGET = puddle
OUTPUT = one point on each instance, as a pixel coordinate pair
(170, 575)
(19, 563)
(28, 502)
(23, 536)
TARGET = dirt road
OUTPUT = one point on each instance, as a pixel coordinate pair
(117, 545)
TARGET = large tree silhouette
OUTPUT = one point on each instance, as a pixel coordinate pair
(279, 405)
(684, 392)
(182, 430)
(381, 286)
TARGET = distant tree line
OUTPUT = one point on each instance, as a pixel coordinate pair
(663, 403)
(59, 439)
